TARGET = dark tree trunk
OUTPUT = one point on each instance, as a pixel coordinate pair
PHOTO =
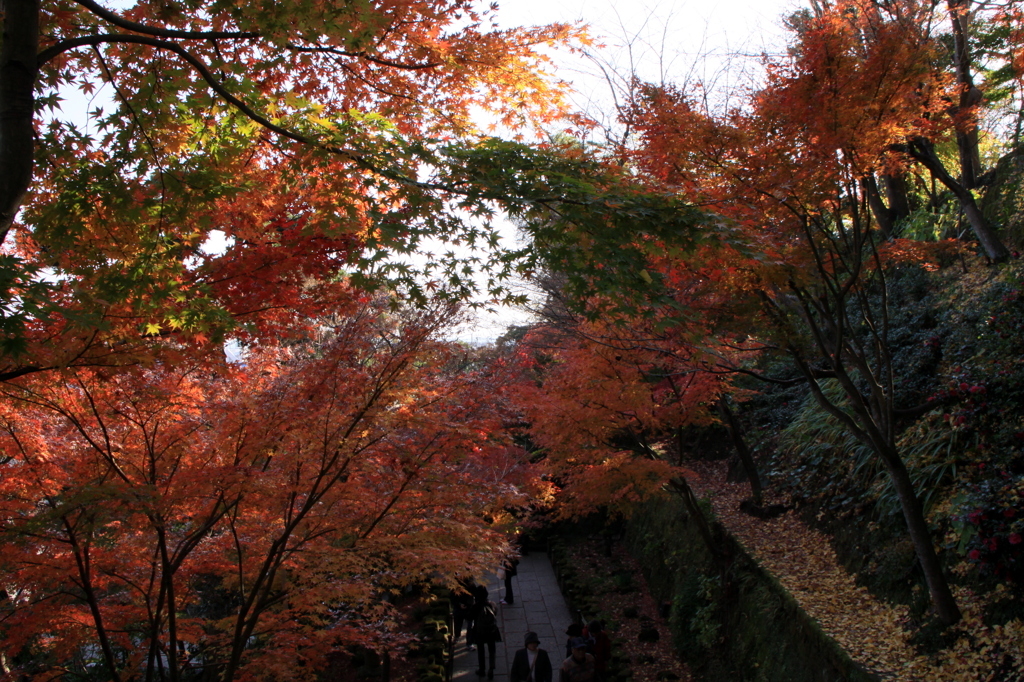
(882, 214)
(896, 193)
(741, 448)
(967, 133)
(18, 71)
(890, 204)
(923, 151)
(876, 438)
(913, 512)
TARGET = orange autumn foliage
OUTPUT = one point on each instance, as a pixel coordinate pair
(249, 519)
(602, 401)
(298, 135)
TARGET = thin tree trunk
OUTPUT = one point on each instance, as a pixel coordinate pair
(966, 138)
(18, 71)
(81, 554)
(741, 448)
(869, 418)
(167, 577)
(924, 152)
(913, 512)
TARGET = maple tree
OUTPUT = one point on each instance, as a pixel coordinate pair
(267, 506)
(891, 62)
(788, 171)
(602, 397)
(199, 517)
(298, 134)
(203, 519)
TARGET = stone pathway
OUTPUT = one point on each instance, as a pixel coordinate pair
(539, 606)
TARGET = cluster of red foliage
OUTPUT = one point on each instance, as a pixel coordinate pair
(177, 514)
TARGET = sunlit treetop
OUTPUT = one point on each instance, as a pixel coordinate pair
(300, 131)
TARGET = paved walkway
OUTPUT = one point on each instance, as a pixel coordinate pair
(539, 606)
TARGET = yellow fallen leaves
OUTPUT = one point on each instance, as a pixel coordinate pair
(871, 631)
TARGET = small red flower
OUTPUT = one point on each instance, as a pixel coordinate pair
(1014, 538)
(974, 555)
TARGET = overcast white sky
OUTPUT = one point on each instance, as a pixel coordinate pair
(670, 40)
(677, 41)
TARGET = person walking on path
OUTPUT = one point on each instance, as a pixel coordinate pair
(508, 570)
(486, 634)
(540, 607)
(580, 666)
(462, 608)
(531, 664)
(481, 599)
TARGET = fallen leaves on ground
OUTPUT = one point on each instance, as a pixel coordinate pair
(873, 632)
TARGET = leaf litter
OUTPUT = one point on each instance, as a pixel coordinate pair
(875, 634)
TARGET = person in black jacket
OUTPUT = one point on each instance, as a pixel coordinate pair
(486, 634)
(531, 664)
(509, 568)
(462, 607)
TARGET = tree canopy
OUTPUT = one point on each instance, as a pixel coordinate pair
(312, 185)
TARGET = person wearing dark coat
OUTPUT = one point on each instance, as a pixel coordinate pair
(531, 664)
(486, 634)
(462, 607)
(480, 598)
(509, 569)
(602, 649)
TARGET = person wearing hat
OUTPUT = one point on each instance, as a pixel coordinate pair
(531, 664)
(572, 632)
(580, 667)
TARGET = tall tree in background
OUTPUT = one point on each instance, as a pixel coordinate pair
(970, 95)
(788, 171)
(898, 48)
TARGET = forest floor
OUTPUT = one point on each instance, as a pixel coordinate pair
(877, 635)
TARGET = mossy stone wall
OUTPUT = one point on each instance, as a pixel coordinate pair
(743, 627)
